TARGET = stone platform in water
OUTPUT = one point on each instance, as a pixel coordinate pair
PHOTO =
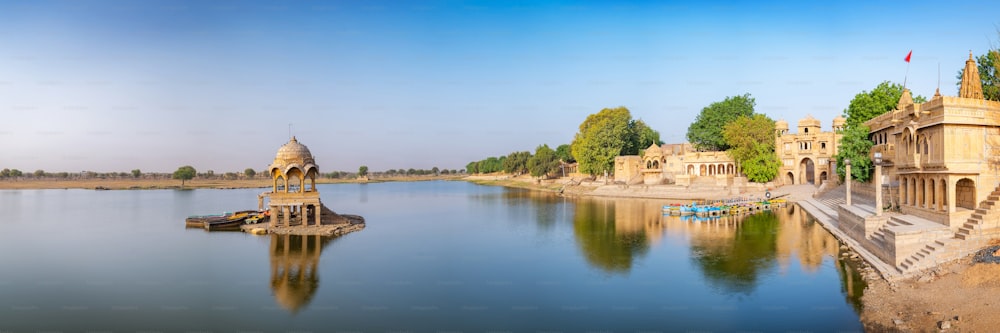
(333, 225)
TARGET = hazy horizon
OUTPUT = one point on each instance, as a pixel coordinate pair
(105, 85)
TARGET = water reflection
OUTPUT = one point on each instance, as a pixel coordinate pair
(734, 253)
(612, 233)
(294, 264)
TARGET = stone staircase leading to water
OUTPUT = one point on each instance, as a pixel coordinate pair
(969, 238)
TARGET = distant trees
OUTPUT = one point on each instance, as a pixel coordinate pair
(15, 173)
(544, 162)
(136, 173)
(607, 134)
(516, 163)
(362, 171)
(39, 173)
(435, 171)
(185, 173)
(751, 143)
(705, 133)
(249, 172)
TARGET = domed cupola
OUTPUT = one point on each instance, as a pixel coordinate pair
(294, 160)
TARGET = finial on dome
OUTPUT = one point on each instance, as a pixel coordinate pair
(293, 139)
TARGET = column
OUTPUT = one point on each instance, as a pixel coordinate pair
(288, 215)
(951, 196)
(319, 213)
(878, 189)
(847, 177)
(273, 219)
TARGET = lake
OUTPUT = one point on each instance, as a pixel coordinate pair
(435, 257)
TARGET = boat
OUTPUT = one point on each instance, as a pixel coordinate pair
(224, 221)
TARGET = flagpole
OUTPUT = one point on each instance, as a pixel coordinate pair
(907, 74)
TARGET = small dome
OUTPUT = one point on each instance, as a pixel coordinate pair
(781, 125)
(293, 152)
(809, 121)
(839, 121)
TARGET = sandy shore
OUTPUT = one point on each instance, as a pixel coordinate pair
(146, 184)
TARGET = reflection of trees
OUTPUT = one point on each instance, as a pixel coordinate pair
(294, 261)
(605, 246)
(734, 265)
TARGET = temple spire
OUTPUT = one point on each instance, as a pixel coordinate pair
(904, 100)
(971, 87)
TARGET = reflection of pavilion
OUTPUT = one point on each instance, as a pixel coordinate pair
(294, 261)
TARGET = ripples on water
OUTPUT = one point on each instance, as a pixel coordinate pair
(436, 256)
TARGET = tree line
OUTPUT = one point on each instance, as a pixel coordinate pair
(544, 162)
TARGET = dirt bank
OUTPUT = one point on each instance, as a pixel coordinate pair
(961, 296)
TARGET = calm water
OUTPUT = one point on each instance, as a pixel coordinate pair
(436, 256)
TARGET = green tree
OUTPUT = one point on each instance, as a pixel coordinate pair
(751, 142)
(988, 65)
(5, 173)
(363, 171)
(516, 163)
(544, 162)
(185, 173)
(435, 171)
(870, 104)
(136, 173)
(602, 136)
(16, 173)
(249, 172)
(705, 133)
(642, 137)
(472, 167)
(564, 153)
(39, 173)
(855, 144)
(230, 176)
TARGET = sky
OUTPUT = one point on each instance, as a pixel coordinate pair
(106, 86)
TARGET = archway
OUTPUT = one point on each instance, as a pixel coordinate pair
(703, 170)
(790, 178)
(965, 194)
(822, 177)
(690, 169)
(807, 170)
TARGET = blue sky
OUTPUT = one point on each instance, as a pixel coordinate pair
(117, 85)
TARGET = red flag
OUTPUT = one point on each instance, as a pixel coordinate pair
(908, 56)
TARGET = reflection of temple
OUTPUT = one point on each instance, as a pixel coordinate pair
(733, 251)
(294, 261)
(289, 197)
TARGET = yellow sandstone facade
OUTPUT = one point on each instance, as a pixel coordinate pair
(807, 156)
(943, 154)
(676, 163)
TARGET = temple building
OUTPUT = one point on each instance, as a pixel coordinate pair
(290, 197)
(807, 156)
(944, 154)
(677, 163)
